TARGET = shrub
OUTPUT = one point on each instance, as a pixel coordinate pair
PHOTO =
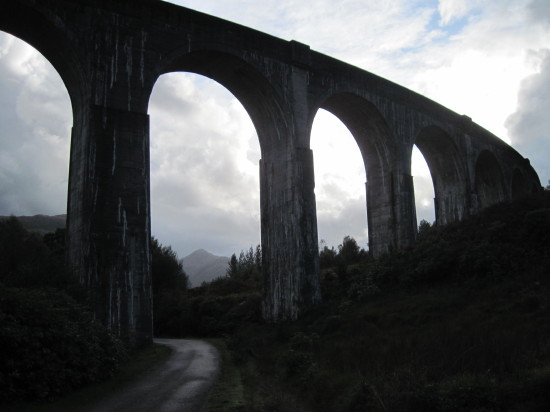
(51, 345)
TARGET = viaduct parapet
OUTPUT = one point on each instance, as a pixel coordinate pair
(110, 54)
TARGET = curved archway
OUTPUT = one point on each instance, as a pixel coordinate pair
(339, 182)
(489, 181)
(374, 139)
(36, 118)
(204, 167)
(447, 171)
(423, 187)
(46, 38)
(248, 85)
(287, 201)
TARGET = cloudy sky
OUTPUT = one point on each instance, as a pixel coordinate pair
(487, 59)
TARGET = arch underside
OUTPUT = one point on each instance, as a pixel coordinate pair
(448, 174)
(248, 85)
(288, 221)
(489, 180)
(49, 41)
(374, 138)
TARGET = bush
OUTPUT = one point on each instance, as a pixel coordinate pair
(51, 345)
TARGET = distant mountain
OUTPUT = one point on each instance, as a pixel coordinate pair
(202, 266)
(41, 223)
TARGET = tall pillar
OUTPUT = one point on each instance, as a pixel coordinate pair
(109, 219)
(290, 260)
(391, 214)
(289, 234)
(405, 209)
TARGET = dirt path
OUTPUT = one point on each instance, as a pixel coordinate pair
(180, 384)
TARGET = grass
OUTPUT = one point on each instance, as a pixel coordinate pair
(227, 394)
(143, 361)
(446, 348)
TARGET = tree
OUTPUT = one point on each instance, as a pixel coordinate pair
(167, 269)
(248, 267)
(423, 228)
(349, 251)
(170, 284)
(327, 257)
(30, 260)
(233, 266)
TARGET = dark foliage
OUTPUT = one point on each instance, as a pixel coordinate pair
(223, 305)
(459, 322)
(170, 298)
(29, 260)
(50, 345)
(215, 308)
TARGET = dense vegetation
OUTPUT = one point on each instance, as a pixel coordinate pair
(215, 308)
(50, 343)
(459, 322)
(170, 299)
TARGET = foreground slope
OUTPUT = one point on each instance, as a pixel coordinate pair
(459, 322)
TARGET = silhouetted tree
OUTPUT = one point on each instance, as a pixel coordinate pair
(233, 266)
(248, 267)
(30, 260)
(170, 284)
(327, 257)
(349, 251)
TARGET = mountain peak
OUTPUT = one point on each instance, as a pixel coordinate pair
(203, 266)
(199, 253)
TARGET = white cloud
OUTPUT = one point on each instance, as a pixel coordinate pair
(451, 10)
(204, 167)
(529, 125)
(34, 140)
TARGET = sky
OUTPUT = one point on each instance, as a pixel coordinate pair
(487, 59)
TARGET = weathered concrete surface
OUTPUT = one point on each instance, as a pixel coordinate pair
(110, 54)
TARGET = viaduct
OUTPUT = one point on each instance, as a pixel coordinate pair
(110, 53)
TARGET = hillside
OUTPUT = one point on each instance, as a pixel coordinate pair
(460, 322)
(42, 224)
(202, 266)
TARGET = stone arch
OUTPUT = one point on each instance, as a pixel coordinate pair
(287, 201)
(50, 41)
(244, 81)
(49, 36)
(447, 171)
(489, 180)
(375, 140)
(32, 89)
